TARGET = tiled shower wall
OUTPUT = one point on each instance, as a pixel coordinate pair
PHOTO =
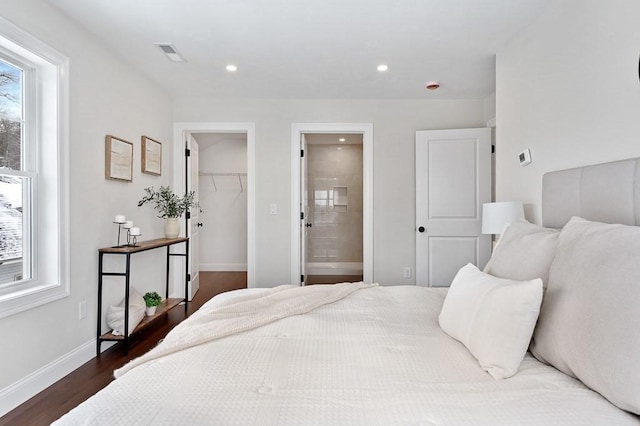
(336, 234)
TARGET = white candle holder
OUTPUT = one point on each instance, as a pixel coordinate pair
(132, 239)
(120, 220)
(128, 225)
(132, 236)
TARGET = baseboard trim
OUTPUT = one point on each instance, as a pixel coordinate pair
(223, 267)
(34, 383)
(334, 268)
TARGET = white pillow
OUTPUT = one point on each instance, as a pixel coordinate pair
(115, 314)
(524, 252)
(493, 317)
(589, 324)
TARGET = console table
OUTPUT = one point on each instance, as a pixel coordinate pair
(167, 304)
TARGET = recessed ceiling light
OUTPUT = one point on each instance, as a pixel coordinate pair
(341, 140)
(382, 67)
(232, 68)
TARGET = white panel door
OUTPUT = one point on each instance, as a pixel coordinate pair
(453, 180)
(194, 223)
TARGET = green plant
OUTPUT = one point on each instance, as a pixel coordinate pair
(152, 298)
(168, 203)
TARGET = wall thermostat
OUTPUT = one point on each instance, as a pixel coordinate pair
(525, 157)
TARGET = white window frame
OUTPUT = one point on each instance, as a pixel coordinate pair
(46, 161)
(29, 165)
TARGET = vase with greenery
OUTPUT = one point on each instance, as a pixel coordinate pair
(152, 300)
(169, 206)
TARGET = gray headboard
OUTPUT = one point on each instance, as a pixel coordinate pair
(608, 192)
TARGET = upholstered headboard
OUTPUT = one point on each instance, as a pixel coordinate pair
(608, 192)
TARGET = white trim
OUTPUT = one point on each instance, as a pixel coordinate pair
(179, 130)
(29, 386)
(51, 280)
(491, 123)
(222, 267)
(366, 129)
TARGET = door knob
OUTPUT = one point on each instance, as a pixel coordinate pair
(421, 229)
(308, 225)
(199, 224)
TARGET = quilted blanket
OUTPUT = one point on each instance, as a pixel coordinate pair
(244, 313)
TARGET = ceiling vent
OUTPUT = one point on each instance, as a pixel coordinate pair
(171, 52)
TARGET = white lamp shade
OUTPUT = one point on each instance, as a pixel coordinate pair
(495, 216)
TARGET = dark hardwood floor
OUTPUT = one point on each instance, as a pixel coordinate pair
(71, 390)
(332, 279)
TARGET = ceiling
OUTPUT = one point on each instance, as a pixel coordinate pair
(311, 48)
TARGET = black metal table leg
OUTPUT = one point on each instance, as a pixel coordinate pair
(166, 290)
(126, 303)
(99, 321)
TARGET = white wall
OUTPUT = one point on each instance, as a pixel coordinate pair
(490, 108)
(395, 123)
(223, 236)
(106, 97)
(567, 89)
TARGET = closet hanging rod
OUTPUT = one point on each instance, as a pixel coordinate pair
(213, 175)
(220, 174)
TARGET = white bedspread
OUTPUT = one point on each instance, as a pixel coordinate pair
(243, 313)
(376, 357)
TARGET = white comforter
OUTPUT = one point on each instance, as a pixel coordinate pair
(376, 357)
(242, 313)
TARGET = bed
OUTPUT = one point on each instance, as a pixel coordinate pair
(546, 334)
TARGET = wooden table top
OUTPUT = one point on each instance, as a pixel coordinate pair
(143, 245)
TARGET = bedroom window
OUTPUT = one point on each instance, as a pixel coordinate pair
(15, 178)
(33, 206)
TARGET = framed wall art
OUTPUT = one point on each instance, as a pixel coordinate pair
(118, 159)
(151, 156)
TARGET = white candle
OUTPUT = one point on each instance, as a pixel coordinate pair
(128, 224)
(120, 218)
(135, 231)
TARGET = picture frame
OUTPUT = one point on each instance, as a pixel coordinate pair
(118, 159)
(151, 156)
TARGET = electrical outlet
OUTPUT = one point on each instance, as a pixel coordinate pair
(407, 272)
(82, 310)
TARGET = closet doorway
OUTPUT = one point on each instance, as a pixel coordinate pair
(229, 176)
(222, 183)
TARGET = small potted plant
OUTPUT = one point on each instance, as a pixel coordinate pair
(152, 300)
(169, 206)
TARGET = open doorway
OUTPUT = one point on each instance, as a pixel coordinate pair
(320, 258)
(217, 141)
(222, 184)
(333, 228)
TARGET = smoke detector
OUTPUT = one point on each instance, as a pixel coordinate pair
(433, 85)
(170, 50)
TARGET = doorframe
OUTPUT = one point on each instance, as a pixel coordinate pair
(179, 130)
(366, 130)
